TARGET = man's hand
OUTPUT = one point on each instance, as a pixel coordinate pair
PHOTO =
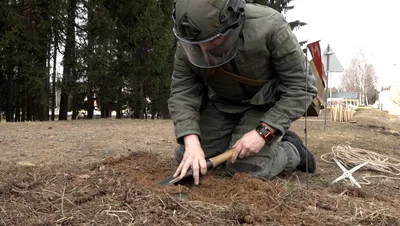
(250, 144)
(193, 158)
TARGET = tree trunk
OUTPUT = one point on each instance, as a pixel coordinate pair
(23, 108)
(42, 30)
(36, 110)
(63, 114)
(90, 88)
(68, 61)
(53, 88)
(119, 113)
(139, 108)
(44, 96)
(106, 110)
(29, 109)
(119, 104)
(10, 96)
(166, 114)
(74, 107)
(1, 103)
(90, 100)
(102, 111)
(18, 110)
(2, 81)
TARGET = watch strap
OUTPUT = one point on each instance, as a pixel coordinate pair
(264, 132)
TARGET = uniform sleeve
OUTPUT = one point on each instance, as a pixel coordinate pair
(296, 88)
(185, 97)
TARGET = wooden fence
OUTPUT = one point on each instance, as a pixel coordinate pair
(342, 113)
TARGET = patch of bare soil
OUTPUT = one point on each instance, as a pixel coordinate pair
(122, 186)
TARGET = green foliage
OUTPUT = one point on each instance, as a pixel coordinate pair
(120, 57)
(25, 34)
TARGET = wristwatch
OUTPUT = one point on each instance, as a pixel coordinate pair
(265, 132)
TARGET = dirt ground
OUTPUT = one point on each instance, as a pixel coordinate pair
(106, 172)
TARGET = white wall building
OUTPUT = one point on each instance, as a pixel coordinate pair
(389, 99)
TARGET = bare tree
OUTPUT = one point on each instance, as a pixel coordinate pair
(360, 77)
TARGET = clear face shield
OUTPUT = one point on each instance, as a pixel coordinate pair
(216, 50)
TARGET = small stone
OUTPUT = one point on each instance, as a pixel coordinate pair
(84, 176)
(102, 168)
(26, 164)
(248, 219)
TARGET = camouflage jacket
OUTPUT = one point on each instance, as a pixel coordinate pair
(268, 51)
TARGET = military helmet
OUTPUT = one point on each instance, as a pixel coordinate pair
(208, 30)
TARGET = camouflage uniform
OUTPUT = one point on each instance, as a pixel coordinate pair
(221, 110)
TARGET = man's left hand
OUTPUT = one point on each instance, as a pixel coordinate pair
(250, 144)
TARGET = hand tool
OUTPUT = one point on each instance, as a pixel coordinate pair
(211, 163)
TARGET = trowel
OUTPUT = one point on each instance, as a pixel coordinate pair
(211, 163)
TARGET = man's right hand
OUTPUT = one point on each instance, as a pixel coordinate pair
(193, 158)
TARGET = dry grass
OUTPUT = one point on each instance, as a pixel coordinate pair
(77, 182)
(81, 142)
(124, 191)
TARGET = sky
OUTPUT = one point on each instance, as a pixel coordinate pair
(349, 26)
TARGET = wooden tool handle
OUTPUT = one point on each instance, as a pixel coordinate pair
(219, 159)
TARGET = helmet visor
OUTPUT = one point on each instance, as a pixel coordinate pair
(214, 51)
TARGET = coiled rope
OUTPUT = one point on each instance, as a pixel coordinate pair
(350, 157)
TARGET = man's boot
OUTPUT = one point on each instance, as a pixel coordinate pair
(305, 154)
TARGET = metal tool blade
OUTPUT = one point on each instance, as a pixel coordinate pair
(172, 180)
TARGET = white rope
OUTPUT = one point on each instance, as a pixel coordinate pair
(350, 157)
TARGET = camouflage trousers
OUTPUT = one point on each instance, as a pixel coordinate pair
(220, 130)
